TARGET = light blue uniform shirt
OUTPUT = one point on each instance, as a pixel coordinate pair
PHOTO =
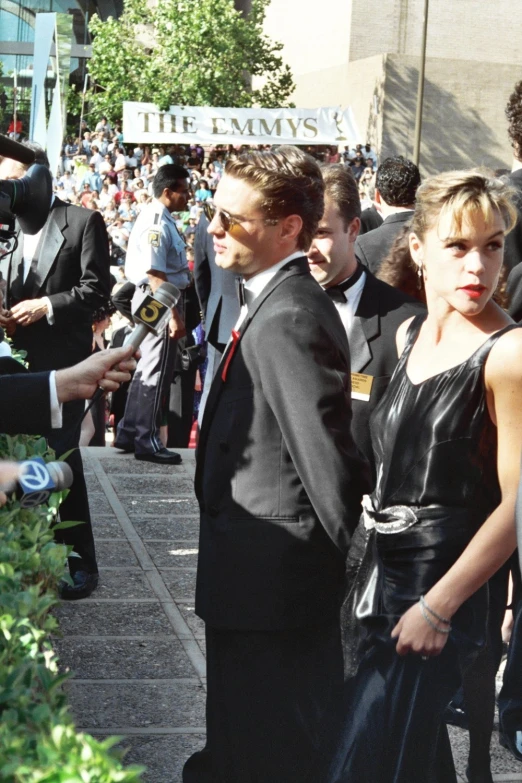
(156, 245)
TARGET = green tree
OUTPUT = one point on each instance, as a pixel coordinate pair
(188, 53)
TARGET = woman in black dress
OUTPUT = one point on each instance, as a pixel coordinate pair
(447, 438)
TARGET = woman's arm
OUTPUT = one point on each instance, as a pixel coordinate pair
(496, 540)
(400, 337)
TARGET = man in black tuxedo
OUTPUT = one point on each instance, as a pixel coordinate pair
(371, 310)
(396, 183)
(217, 293)
(55, 281)
(279, 483)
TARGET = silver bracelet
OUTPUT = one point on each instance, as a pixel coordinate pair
(431, 623)
(431, 611)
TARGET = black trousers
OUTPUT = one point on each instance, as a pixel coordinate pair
(75, 507)
(273, 706)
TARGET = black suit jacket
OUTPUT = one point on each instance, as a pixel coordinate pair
(72, 269)
(215, 287)
(373, 247)
(513, 244)
(278, 478)
(370, 219)
(514, 287)
(25, 405)
(373, 350)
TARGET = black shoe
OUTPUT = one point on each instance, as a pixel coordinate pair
(161, 457)
(512, 740)
(484, 776)
(84, 584)
(456, 717)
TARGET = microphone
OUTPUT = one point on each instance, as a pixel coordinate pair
(151, 316)
(16, 151)
(37, 480)
(153, 313)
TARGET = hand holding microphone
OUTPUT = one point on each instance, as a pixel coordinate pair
(151, 316)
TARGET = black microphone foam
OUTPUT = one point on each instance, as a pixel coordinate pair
(12, 149)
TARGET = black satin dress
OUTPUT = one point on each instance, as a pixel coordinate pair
(435, 449)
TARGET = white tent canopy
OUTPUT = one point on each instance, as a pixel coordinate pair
(144, 123)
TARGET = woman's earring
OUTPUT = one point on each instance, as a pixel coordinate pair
(419, 277)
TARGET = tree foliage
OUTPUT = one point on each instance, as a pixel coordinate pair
(188, 53)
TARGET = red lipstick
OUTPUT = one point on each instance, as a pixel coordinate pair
(474, 291)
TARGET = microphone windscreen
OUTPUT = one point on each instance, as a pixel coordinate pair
(61, 474)
(168, 294)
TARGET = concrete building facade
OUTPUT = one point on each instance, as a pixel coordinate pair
(366, 53)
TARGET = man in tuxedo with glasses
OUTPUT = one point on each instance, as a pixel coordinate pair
(279, 483)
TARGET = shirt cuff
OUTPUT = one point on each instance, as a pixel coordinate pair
(56, 407)
(50, 313)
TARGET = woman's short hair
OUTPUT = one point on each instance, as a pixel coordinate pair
(289, 182)
(448, 198)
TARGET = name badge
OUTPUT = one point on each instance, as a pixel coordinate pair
(361, 386)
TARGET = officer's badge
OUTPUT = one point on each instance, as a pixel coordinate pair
(154, 237)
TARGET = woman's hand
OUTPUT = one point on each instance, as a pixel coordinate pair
(414, 635)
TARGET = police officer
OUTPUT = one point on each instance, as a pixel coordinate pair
(156, 253)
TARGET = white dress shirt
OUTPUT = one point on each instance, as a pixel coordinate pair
(348, 309)
(30, 243)
(254, 285)
(56, 407)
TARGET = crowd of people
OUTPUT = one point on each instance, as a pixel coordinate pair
(101, 173)
(359, 431)
(98, 171)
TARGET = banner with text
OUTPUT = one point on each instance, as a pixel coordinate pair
(144, 123)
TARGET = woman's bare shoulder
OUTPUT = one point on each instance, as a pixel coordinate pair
(504, 363)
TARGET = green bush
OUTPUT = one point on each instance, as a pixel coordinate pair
(38, 740)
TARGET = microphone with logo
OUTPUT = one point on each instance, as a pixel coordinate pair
(37, 480)
(153, 313)
(150, 318)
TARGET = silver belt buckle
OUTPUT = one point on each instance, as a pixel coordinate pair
(405, 518)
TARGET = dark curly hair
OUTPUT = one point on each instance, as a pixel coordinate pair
(397, 181)
(514, 117)
(105, 311)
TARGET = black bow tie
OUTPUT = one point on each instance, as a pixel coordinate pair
(245, 296)
(336, 292)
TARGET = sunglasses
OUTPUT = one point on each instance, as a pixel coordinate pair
(227, 221)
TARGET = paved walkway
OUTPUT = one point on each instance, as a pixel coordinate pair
(136, 648)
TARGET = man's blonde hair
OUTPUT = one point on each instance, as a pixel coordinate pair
(289, 182)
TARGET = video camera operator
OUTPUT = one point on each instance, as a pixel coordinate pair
(56, 279)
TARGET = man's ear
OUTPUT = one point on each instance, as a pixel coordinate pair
(377, 198)
(353, 229)
(290, 227)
